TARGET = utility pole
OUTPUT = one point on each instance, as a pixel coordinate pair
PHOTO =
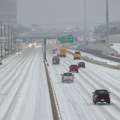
(107, 23)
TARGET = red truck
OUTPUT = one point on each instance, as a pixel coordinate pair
(73, 68)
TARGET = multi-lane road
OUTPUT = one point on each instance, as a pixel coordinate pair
(75, 99)
(24, 91)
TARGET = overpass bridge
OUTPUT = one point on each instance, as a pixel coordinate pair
(31, 36)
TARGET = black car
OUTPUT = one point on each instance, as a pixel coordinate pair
(81, 64)
(0, 62)
(101, 95)
(55, 60)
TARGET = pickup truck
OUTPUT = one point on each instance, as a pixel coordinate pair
(67, 77)
(101, 95)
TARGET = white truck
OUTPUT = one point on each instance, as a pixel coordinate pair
(67, 77)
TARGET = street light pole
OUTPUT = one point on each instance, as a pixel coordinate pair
(107, 23)
(85, 20)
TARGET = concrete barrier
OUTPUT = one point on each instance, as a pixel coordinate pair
(98, 62)
(53, 98)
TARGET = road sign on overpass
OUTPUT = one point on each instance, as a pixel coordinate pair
(67, 39)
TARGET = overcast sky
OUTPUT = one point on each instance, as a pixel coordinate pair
(57, 13)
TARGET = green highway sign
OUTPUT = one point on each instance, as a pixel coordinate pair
(67, 39)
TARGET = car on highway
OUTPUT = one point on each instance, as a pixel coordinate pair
(18, 53)
(54, 52)
(81, 64)
(67, 77)
(101, 95)
(77, 55)
(62, 52)
(0, 62)
(73, 68)
(55, 60)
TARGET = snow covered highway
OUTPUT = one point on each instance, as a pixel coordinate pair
(75, 99)
(24, 93)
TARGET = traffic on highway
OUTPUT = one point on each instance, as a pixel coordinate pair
(59, 60)
(24, 87)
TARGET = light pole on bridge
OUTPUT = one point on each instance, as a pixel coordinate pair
(107, 23)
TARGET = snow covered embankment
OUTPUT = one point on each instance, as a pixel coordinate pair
(103, 63)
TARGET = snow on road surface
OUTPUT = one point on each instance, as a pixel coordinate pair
(24, 92)
(75, 99)
(116, 46)
(97, 58)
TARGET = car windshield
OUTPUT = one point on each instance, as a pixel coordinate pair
(67, 74)
(77, 52)
(101, 92)
(55, 57)
(73, 65)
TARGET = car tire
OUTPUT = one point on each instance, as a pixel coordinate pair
(94, 102)
(108, 102)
